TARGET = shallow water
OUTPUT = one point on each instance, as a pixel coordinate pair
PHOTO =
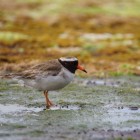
(15, 108)
(121, 117)
(84, 105)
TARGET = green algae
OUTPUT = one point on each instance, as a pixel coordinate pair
(11, 37)
(97, 107)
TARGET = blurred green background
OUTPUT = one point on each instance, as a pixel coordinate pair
(104, 35)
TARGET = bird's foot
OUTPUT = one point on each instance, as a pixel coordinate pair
(49, 105)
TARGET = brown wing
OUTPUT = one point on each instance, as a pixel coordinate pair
(52, 67)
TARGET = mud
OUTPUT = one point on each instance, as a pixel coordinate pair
(86, 109)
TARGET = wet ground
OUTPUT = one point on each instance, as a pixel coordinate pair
(86, 109)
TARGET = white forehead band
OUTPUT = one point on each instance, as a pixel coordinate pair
(68, 59)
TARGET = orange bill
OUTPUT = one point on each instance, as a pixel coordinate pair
(81, 68)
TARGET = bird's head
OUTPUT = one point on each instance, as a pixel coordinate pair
(71, 63)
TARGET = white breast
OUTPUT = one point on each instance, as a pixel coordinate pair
(52, 82)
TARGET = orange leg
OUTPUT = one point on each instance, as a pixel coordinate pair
(48, 102)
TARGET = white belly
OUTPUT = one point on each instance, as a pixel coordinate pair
(50, 83)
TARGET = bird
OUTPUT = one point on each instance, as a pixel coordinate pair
(49, 76)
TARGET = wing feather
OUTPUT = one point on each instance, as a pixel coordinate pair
(51, 67)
